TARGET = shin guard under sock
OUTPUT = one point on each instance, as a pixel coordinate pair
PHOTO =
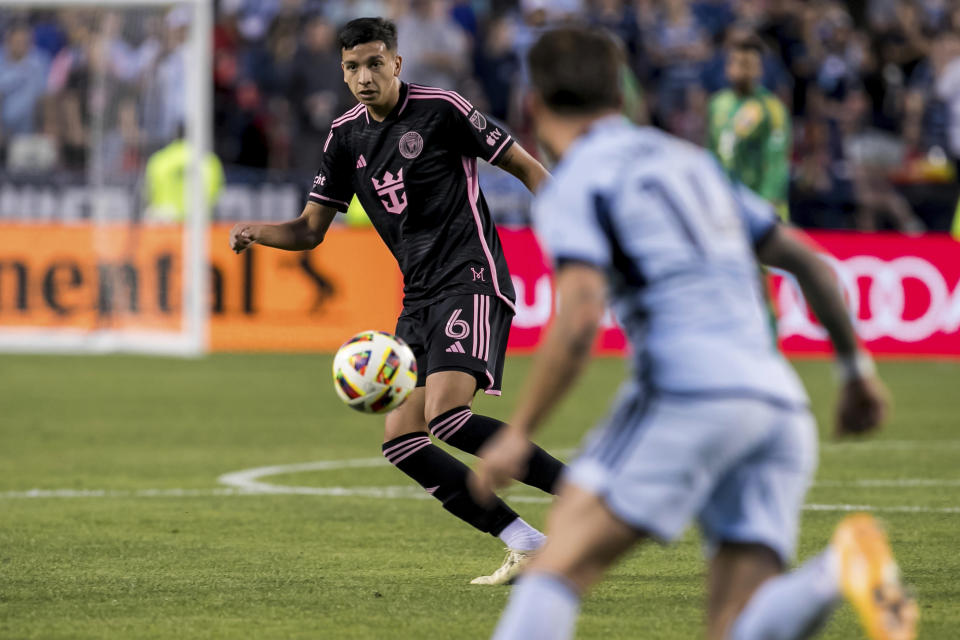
(445, 478)
(468, 432)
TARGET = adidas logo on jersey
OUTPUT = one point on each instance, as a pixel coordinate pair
(361, 162)
(456, 347)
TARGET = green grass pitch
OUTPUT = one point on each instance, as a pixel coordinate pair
(166, 553)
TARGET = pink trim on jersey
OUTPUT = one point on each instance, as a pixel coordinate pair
(406, 99)
(416, 96)
(473, 193)
(349, 115)
(419, 88)
(317, 195)
(327, 143)
(496, 153)
(493, 392)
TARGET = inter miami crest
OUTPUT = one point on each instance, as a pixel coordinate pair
(411, 144)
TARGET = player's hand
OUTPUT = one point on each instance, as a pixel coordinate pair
(242, 236)
(502, 460)
(862, 407)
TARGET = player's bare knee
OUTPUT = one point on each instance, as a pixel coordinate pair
(407, 418)
(447, 390)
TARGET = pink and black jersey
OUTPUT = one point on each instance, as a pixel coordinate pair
(415, 174)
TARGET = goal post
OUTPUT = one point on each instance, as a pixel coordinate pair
(100, 271)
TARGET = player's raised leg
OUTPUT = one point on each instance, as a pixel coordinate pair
(466, 343)
(584, 539)
(451, 387)
(858, 564)
(451, 419)
(750, 599)
(408, 447)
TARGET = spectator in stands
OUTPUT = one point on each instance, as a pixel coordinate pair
(927, 115)
(947, 88)
(750, 130)
(620, 19)
(343, 11)
(434, 47)
(498, 68)
(165, 102)
(678, 48)
(23, 73)
(774, 75)
(316, 90)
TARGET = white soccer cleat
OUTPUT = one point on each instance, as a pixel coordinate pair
(512, 566)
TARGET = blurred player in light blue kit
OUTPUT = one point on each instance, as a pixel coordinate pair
(713, 426)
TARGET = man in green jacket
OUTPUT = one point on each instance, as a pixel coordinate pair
(749, 128)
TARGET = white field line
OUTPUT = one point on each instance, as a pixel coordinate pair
(246, 482)
(391, 493)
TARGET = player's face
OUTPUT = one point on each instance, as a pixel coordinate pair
(744, 69)
(369, 69)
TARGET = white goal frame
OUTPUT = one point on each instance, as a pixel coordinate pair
(193, 339)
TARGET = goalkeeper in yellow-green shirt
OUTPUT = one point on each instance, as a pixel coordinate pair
(749, 128)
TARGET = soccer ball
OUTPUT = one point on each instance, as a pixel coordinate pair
(374, 372)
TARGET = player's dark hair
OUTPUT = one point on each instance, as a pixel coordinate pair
(364, 30)
(748, 42)
(576, 71)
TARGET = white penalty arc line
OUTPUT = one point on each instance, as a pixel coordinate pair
(248, 482)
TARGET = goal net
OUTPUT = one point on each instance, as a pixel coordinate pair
(105, 120)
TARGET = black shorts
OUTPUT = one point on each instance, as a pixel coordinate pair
(461, 333)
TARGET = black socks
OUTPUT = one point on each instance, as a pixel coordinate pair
(445, 478)
(468, 432)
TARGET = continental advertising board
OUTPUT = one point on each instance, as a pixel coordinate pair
(905, 290)
(80, 277)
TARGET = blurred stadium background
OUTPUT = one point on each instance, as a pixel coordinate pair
(94, 191)
(113, 237)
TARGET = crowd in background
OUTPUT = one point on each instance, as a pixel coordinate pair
(873, 87)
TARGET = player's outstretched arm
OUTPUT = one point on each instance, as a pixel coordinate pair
(863, 400)
(581, 292)
(305, 232)
(524, 167)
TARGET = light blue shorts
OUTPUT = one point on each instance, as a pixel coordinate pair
(740, 465)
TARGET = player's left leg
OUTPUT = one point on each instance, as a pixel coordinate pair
(407, 446)
(752, 517)
(858, 564)
(451, 419)
(751, 599)
(466, 348)
(584, 539)
(751, 520)
(522, 540)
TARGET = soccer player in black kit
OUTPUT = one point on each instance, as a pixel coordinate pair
(410, 154)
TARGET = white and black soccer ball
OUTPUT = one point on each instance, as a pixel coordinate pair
(374, 372)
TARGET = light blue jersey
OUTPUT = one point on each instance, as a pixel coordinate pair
(677, 240)
(715, 426)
